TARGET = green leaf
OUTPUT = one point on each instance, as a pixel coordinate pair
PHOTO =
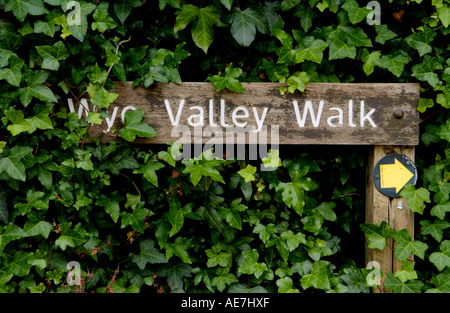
(19, 264)
(356, 282)
(394, 64)
(111, 204)
(149, 171)
(248, 173)
(440, 209)
(297, 81)
(223, 279)
(36, 88)
(415, 198)
(223, 259)
(175, 274)
(311, 50)
(175, 215)
(148, 254)
(424, 104)
(339, 46)
(34, 226)
(405, 247)
(397, 286)
(12, 164)
(444, 131)
(248, 263)
(285, 285)
(134, 126)
(135, 219)
(71, 237)
(436, 230)
(318, 278)
(229, 80)
(45, 27)
(407, 272)
(9, 233)
(264, 231)
(13, 73)
(292, 195)
(103, 98)
(123, 8)
(444, 15)
(421, 41)
(442, 284)
(370, 61)
(293, 240)
(203, 21)
(355, 13)
(203, 167)
(79, 30)
(425, 70)
(377, 235)
(103, 21)
(51, 55)
(21, 8)
(441, 259)
(383, 33)
(245, 23)
(33, 201)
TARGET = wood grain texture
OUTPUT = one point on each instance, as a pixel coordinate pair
(384, 98)
(381, 208)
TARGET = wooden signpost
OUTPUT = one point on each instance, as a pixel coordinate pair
(384, 116)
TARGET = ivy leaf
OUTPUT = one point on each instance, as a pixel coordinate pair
(397, 286)
(339, 47)
(223, 259)
(179, 248)
(248, 263)
(444, 131)
(297, 81)
(103, 98)
(36, 88)
(135, 127)
(51, 55)
(394, 64)
(293, 240)
(355, 13)
(306, 15)
(442, 284)
(245, 23)
(123, 8)
(13, 73)
(203, 167)
(425, 70)
(103, 21)
(311, 50)
(421, 41)
(134, 219)
(424, 104)
(292, 195)
(203, 21)
(415, 198)
(248, 173)
(318, 278)
(444, 15)
(111, 204)
(223, 279)
(71, 237)
(12, 164)
(355, 281)
(436, 230)
(35, 226)
(285, 285)
(21, 8)
(407, 272)
(148, 254)
(229, 80)
(441, 259)
(79, 30)
(383, 33)
(19, 264)
(370, 61)
(33, 200)
(175, 274)
(9, 233)
(440, 209)
(405, 247)
(175, 215)
(149, 171)
(377, 235)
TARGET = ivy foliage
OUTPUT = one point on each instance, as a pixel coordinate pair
(135, 219)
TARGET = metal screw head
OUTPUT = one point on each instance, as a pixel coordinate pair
(398, 113)
(377, 176)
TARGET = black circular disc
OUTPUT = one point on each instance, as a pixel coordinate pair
(392, 173)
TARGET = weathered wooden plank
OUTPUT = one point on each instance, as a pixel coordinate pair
(347, 114)
(381, 208)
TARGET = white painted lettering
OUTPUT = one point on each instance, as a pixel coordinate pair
(196, 119)
(308, 108)
(367, 116)
(235, 116)
(340, 118)
(260, 121)
(173, 121)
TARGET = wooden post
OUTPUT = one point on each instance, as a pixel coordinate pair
(382, 208)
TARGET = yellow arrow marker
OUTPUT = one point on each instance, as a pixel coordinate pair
(394, 175)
